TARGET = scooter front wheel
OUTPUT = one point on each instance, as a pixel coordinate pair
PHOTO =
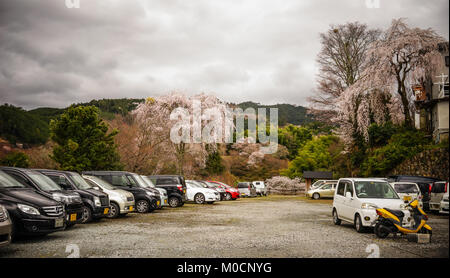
(381, 231)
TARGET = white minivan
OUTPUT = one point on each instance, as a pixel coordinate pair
(356, 200)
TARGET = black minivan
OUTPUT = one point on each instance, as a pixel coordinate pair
(95, 203)
(175, 186)
(147, 199)
(71, 200)
(31, 212)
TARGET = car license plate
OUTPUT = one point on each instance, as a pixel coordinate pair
(407, 198)
(165, 202)
(157, 203)
(59, 222)
(73, 217)
(131, 208)
(106, 211)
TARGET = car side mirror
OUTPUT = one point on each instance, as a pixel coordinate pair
(348, 195)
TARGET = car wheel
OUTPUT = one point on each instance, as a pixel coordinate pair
(199, 198)
(87, 215)
(142, 206)
(114, 210)
(316, 196)
(228, 196)
(336, 219)
(174, 202)
(358, 224)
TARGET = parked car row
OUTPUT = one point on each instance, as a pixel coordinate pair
(429, 192)
(43, 201)
(366, 202)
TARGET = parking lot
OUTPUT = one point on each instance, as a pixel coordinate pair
(274, 226)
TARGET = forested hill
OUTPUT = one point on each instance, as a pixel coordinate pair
(31, 127)
(287, 113)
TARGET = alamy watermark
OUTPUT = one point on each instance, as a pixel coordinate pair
(218, 125)
(71, 4)
(373, 4)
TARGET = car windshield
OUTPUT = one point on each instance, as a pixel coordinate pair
(193, 185)
(406, 188)
(202, 184)
(317, 183)
(148, 181)
(79, 182)
(375, 190)
(101, 183)
(6, 181)
(140, 181)
(44, 182)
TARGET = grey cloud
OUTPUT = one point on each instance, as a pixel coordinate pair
(259, 50)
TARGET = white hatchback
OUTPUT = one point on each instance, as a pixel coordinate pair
(356, 199)
(195, 192)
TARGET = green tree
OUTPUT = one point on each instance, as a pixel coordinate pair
(316, 155)
(15, 159)
(293, 137)
(214, 164)
(83, 142)
(402, 145)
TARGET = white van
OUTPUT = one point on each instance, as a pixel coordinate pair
(408, 192)
(356, 200)
(261, 189)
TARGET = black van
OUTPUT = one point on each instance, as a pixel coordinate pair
(147, 199)
(424, 183)
(175, 186)
(31, 212)
(71, 200)
(95, 203)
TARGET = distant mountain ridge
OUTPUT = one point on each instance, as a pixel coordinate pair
(31, 127)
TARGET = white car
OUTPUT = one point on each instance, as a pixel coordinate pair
(261, 188)
(356, 200)
(199, 194)
(121, 201)
(408, 192)
(444, 204)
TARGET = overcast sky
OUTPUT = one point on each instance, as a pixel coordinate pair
(238, 50)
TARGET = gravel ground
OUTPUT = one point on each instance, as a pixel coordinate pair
(274, 226)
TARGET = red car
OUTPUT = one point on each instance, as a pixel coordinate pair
(232, 193)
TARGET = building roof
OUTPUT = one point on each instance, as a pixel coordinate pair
(317, 175)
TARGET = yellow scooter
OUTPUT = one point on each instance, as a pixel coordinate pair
(390, 221)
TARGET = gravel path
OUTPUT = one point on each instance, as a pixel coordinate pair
(272, 226)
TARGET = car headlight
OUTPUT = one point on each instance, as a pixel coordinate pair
(368, 206)
(60, 198)
(97, 202)
(3, 214)
(28, 209)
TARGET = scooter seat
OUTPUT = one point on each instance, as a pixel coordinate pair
(397, 213)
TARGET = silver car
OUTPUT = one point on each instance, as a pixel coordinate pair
(162, 192)
(247, 189)
(121, 201)
(5, 227)
(325, 190)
